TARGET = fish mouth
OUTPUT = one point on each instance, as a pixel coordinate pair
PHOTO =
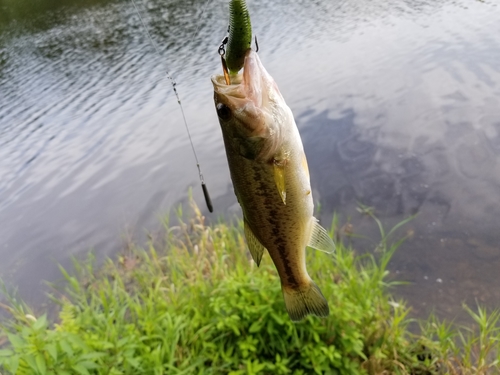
(248, 95)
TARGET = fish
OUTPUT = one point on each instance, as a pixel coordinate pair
(271, 181)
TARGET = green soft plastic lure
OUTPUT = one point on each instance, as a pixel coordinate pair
(240, 35)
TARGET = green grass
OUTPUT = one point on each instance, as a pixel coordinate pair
(194, 303)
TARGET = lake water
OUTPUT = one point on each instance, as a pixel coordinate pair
(398, 104)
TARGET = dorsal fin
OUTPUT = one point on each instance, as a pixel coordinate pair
(320, 240)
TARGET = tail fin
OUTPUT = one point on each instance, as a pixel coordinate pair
(303, 301)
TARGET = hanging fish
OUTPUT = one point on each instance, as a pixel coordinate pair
(269, 169)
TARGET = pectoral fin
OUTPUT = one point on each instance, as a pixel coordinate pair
(279, 179)
(320, 240)
(254, 245)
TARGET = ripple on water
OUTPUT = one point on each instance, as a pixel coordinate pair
(397, 102)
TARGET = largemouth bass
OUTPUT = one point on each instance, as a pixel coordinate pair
(271, 181)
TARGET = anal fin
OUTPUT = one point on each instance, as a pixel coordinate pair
(320, 240)
(254, 245)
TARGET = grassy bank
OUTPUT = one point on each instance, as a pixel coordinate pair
(194, 303)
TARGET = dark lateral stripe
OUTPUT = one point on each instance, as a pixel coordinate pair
(290, 275)
(281, 246)
(263, 190)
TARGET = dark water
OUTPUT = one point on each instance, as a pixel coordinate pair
(398, 104)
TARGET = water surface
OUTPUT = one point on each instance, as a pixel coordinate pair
(398, 104)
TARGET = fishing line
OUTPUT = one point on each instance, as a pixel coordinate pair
(174, 84)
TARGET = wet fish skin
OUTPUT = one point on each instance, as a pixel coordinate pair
(270, 176)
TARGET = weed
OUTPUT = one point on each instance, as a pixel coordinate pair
(195, 303)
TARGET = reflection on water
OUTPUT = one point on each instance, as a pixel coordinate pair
(397, 102)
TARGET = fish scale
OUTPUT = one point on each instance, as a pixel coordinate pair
(270, 177)
(269, 219)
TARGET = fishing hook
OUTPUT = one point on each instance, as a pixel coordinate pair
(222, 52)
(222, 47)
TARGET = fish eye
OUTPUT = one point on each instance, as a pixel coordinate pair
(223, 111)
